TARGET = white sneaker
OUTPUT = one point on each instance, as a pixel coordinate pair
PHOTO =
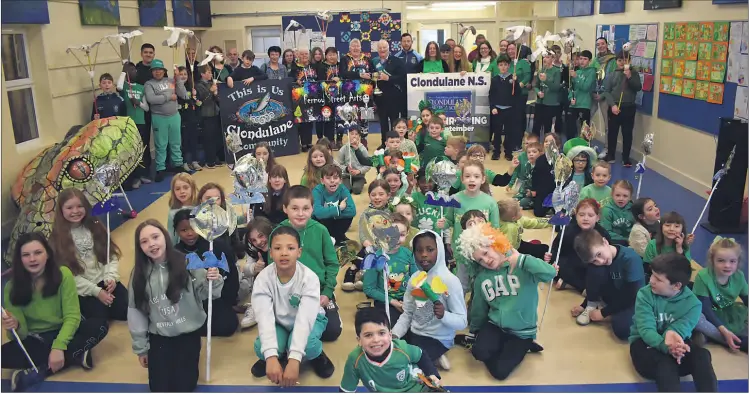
(196, 166)
(249, 318)
(603, 153)
(443, 362)
(136, 184)
(584, 318)
(145, 180)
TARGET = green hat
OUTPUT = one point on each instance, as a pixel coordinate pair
(576, 146)
(157, 64)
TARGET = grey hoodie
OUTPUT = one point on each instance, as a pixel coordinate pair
(421, 319)
(346, 153)
(159, 95)
(165, 318)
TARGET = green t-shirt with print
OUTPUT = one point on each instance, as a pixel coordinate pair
(733, 314)
(129, 91)
(397, 374)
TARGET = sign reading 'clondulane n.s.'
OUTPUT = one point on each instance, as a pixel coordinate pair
(260, 112)
(464, 99)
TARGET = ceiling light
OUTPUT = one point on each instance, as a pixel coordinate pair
(416, 7)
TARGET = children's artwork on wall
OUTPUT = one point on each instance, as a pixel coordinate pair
(666, 84)
(706, 31)
(680, 33)
(678, 68)
(703, 70)
(691, 51)
(690, 69)
(720, 31)
(25, 12)
(701, 90)
(720, 51)
(715, 94)
(152, 12)
(705, 51)
(669, 31)
(99, 12)
(688, 88)
(667, 67)
(717, 72)
(693, 31)
(680, 49)
(676, 86)
(668, 49)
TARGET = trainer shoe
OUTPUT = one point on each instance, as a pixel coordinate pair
(349, 279)
(584, 318)
(24, 379)
(249, 318)
(322, 366)
(258, 369)
(443, 362)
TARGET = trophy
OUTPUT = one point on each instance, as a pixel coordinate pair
(376, 77)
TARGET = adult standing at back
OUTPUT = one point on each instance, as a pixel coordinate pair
(604, 67)
(355, 65)
(391, 80)
(143, 75)
(432, 62)
(233, 61)
(410, 57)
(480, 39)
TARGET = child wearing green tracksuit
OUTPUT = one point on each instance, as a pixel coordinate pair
(523, 173)
(666, 314)
(333, 208)
(546, 85)
(616, 216)
(580, 95)
(161, 94)
(503, 313)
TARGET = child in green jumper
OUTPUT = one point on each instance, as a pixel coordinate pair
(503, 313)
(136, 105)
(583, 85)
(598, 190)
(616, 216)
(666, 313)
(672, 237)
(547, 84)
(521, 176)
(432, 143)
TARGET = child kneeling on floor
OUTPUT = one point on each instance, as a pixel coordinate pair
(666, 313)
(379, 358)
(286, 300)
(503, 312)
(165, 310)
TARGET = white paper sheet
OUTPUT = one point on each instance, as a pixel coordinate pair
(652, 34)
(633, 32)
(741, 105)
(745, 38)
(741, 78)
(642, 32)
(734, 52)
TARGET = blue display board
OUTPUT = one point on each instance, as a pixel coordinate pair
(621, 36)
(25, 12)
(368, 27)
(567, 8)
(611, 6)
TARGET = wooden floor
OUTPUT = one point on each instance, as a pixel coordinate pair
(574, 355)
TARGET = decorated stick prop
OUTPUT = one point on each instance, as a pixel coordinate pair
(250, 182)
(89, 66)
(323, 19)
(15, 334)
(386, 236)
(295, 26)
(347, 113)
(462, 30)
(177, 38)
(568, 39)
(647, 148)
(444, 174)
(516, 32)
(717, 178)
(211, 221)
(626, 48)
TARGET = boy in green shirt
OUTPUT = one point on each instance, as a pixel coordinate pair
(432, 143)
(547, 85)
(598, 190)
(583, 85)
(666, 313)
(318, 253)
(503, 311)
(385, 364)
(136, 106)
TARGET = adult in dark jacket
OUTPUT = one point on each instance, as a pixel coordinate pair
(143, 75)
(303, 71)
(391, 80)
(356, 65)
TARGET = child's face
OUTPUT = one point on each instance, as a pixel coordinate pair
(424, 185)
(425, 252)
(183, 191)
(401, 128)
(726, 262)
(451, 151)
(186, 234)
(435, 130)
(73, 210)
(443, 117)
(620, 63)
(548, 140)
(475, 221)
(580, 162)
(152, 243)
(207, 75)
(489, 258)
(462, 162)
(394, 180)
(375, 339)
(652, 212)
(318, 159)
(426, 116)
(331, 182)
(354, 138)
(246, 62)
(504, 67)
(582, 62)
(393, 144)
(211, 193)
(261, 153)
(601, 176)
(672, 230)
(285, 251)
(259, 240)
(533, 154)
(277, 182)
(106, 85)
(299, 211)
(473, 178)
(621, 196)
(379, 197)
(183, 75)
(405, 210)
(331, 57)
(34, 258)
(586, 218)
(602, 254)
(661, 286)
(403, 230)
(157, 73)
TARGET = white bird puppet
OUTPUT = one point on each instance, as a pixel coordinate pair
(209, 56)
(123, 39)
(323, 19)
(542, 45)
(462, 30)
(89, 66)
(178, 37)
(515, 32)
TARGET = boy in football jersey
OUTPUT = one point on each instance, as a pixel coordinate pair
(385, 364)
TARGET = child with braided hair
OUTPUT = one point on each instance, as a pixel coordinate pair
(505, 330)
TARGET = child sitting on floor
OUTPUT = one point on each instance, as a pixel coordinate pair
(286, 300)
(512, 223)
(616, 216)
(381, 356)
(671, 237)
(647, 218)
(598, 190)
(454, 146)
(666, 313)
(582, 157)
(503, 313)
(333, 208)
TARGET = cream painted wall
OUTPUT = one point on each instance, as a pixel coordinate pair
(684, 155)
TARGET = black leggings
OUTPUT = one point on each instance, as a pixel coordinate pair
(433, 348)
(535, 250)
(626, 120)
(90, 332)
(573, 272)
(91, 307)
(574, 119)
(305, 133)
(599, 287)
(337, 227)
(213, 138)
(335, 325)
(173, 363)
(325, 129)
(543, 118)
(651, 364)
(499, 350)
(504, 123)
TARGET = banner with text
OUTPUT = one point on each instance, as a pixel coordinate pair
(317, 101)
(260, 112)
(464, 99)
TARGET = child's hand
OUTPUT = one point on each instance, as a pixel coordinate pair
(342, 205)
(573, 74)
(174, 97)
(577, 310)
(290, 374)
(615, 110)
(679, 243)
(56, 360)
(324, 301)
(111, 284)
(273, 370)
(690, 239)
(439, 310)
(259, 264)
(673, 339)
(397, 305)
(628, 73)
(494, 111)
(441, 223)
(515, 163)
(213, 88)
(248, 81)
(212, 274)
(143, 360)
(573, 101)
(542, 76)
(515, 77)
(367, 243)
(105, 298)
(134, 102)
(354, 171)
(97, 117)
(731, 339)
(547, 257)
(230, 82)
(9, 322)
(540, 94)
(508, 188)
